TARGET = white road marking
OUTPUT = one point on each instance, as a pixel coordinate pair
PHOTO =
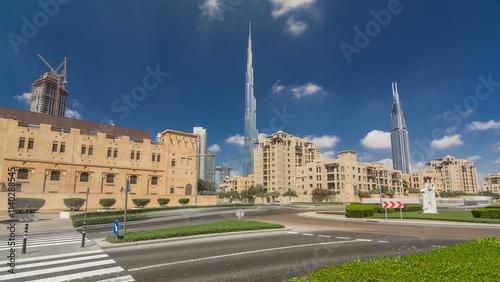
(246, 253)
(81, 275)
(324, 236)
(307, 234)
(127, 278)
(291, 232)
(366, 240)
(112, 232)
(56, 256)
(43, 245)
(46, 263)
(436, 246)
(383, 241)
(345, 238)
(60, 269)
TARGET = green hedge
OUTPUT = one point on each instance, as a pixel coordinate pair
(163, 201)
(486, 213)
(492, 207)
(358, 211)
(74, 203)
(26, 205)
(110, 219)
(413, 208)
(381, 209)
(141, 202)
(107, 202)
(184, 201)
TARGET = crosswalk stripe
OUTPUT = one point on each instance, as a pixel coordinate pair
(84, 253)
(59, 269)
(43, 245)
(49, 240)
(81, 275)
(127, 278)
(47, 263)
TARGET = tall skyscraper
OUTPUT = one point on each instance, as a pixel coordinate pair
(399, 135)
(206, 160)
(250, 113)
(49, 94)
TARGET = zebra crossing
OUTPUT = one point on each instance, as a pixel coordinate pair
(85, 266)
(44, 239)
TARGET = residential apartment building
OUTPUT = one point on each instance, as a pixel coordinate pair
(419, 179)
(346, 176)
(277, 158)
(237, 183)
(454, 174)
(492, 183)
(57, 157)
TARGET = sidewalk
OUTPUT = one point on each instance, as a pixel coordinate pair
(47, 222)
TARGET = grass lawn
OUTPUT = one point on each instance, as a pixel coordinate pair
(190, 230)
(470, 261)
(442, 215)
(341, 213)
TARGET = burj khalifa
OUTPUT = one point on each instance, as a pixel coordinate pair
(250, 113)
(399, 135)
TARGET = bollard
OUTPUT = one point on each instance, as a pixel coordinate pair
(83, 234)
(25, 239)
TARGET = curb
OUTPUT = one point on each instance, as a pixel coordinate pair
(404, 221)
(106, 245)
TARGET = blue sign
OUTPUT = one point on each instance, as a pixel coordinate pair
(116, 226)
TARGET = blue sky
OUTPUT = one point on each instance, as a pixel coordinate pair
(323, 69)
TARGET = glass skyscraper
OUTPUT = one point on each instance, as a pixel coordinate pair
(399, 135)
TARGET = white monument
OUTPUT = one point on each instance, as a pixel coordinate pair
(429, 198)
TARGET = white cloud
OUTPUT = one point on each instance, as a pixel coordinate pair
(450, 130)
(277, 87)
(72, 113)
(295, 27)
(261, 136)
(386, 162)
(214, 148)
(364, 157)
(282, 7)
(498, 146)
(497, 161)
(474, 158)
(418, 167)
(23, 99)
(377, 139)
(212, 9)
(477, 125)
(447, 141)
(323, 142)
(235, 173)
(75, 104)
(308, 89)
(236, 139)
(328, 155)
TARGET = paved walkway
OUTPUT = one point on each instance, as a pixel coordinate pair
(47, 222)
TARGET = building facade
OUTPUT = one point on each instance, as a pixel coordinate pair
(454, 174)
(48, 96)
(237, 183)
(59, 158)
(277, 158)
(399, 135)
(492, 183)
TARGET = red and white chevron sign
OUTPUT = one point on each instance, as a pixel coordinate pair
(393, 204)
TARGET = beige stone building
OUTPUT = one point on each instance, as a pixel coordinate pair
(346, 176)
(492, 183)
(419, 179)
(237, 183)
(277, 157)
(454, 174)
(57, 158)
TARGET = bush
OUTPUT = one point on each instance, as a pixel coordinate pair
(492, 207)
(486, 213)
(25, 205)
(413, 208)
(141, 202)
(358, 211)
(163, 201)
(381, 209)
(183, 201)
(107, 202)
(74, 203)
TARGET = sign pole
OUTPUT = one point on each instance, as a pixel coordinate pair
(86, 202)
(385, 213)
(401, 212)
(127, 189)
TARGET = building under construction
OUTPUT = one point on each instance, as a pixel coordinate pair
(49, 94)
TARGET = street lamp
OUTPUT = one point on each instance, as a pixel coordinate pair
(379, 185)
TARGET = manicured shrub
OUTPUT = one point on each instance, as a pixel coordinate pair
(74, 203)
(163, 201)
(413, 208)
(358, 211)
(25, 205)
(380, 209)
(141, 202)
(107, 202)
(486, 213)
(183, 201)
(492, 207)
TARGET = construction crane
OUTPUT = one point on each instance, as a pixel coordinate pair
(59, 77)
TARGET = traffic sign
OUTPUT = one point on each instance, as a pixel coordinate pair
(240, 214)
(116, 227)
(393, 204)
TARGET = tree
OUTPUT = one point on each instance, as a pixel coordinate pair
(290, 193)
(206, 187)
(385, 191)
(319, 194)
(412, 190)
(273, 194)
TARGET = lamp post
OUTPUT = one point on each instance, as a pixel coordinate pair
(379, 185)
(197, 174)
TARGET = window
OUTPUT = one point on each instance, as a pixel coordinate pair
(138, 157)
(91, 150)
(63, 148)
(172, 190)
(110, 178)
(55, 175)
(21, 143)
(54, 147)
(84, 150)
(158, 158)
(109, 152)
(84, 177)
(115, 153)
(153, 158)
(133, 179)
(31, 142)
(154, 180)
(22, 174)
(132, 155)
